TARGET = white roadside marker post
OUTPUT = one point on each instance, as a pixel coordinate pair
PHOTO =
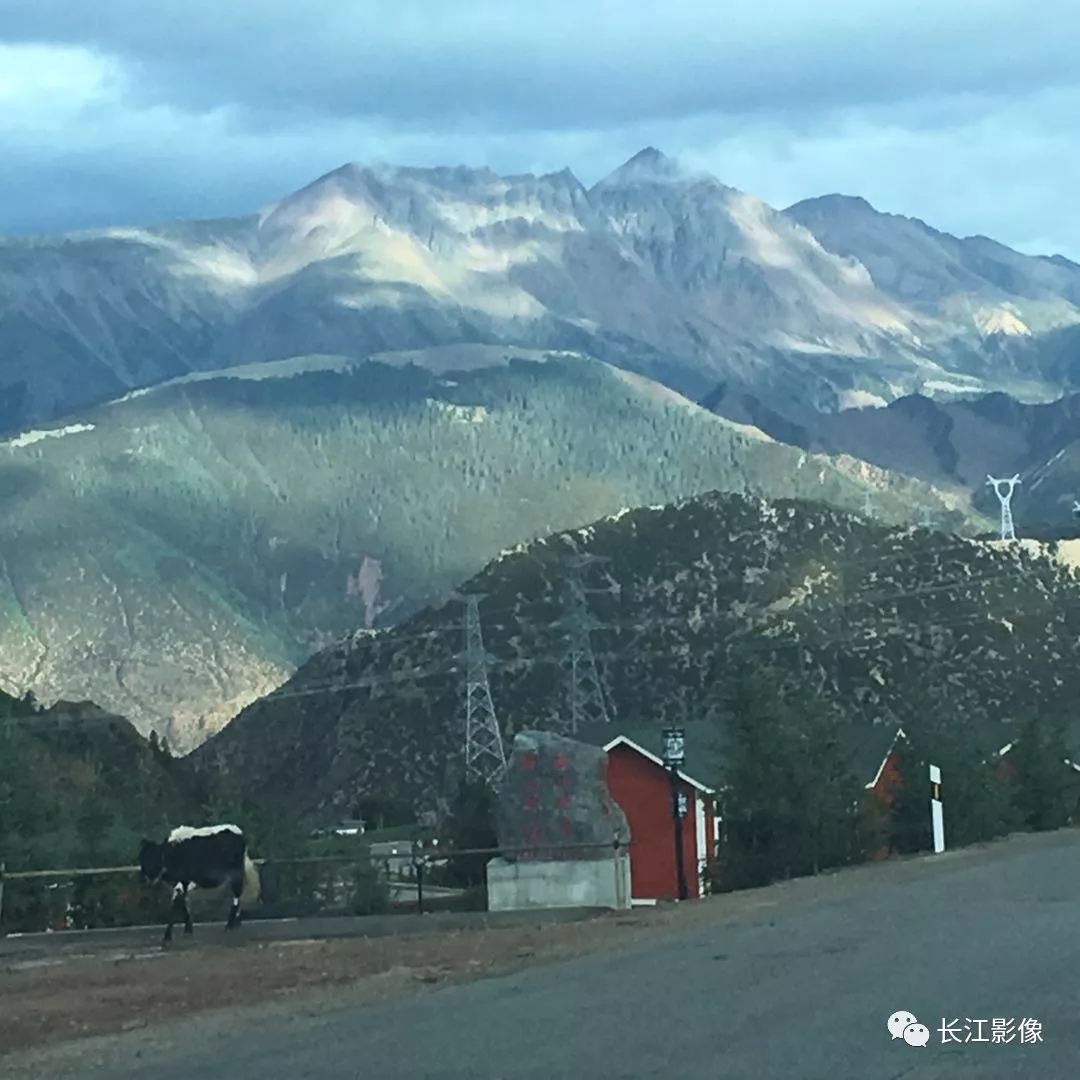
(936, 813)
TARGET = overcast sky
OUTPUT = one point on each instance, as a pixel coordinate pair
(960, 112)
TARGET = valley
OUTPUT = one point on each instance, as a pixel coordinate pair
(563, 518)
(246, 450)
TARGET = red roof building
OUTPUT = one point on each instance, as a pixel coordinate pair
(639, 782)
(883, 788)
(887, 778)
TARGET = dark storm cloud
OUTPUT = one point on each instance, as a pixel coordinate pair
(560, 64)
(128, 111)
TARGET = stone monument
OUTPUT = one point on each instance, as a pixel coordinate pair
(564, 838)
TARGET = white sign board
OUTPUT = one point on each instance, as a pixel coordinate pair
(937, 816)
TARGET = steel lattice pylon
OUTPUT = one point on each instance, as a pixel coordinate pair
(585, 693)
(485, 758)
(1008, 532)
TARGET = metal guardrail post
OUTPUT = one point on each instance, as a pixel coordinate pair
(3, 867)
(619, 902)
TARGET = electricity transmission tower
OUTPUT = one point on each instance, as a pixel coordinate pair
(586, 698)
(868, 505)
(926, 517)
(485, 758)
(1005, 495)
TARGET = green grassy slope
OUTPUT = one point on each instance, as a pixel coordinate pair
(177, 553)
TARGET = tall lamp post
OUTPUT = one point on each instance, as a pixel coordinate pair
(418, 861)
(674, 756)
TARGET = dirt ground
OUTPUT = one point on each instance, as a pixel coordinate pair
(97, 994)
(108, 990)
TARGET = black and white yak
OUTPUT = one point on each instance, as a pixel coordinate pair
(205, 858)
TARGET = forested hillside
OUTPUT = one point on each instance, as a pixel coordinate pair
(177, 553)
(884, 623)
(79, 787)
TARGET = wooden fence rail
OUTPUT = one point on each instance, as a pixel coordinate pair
(408, 853)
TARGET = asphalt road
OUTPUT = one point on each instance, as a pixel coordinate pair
(797, 982)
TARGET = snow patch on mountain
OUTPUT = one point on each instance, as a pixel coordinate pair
(271, 369)
(657, 268)
(28, 438)
(1000, 321)
(860, 399)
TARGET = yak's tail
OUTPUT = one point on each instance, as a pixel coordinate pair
(251, 882)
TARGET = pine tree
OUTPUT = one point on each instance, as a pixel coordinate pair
(91, 826)
(791, 801)
(828, 783)
(946, 729)
(1039, 774)
(471, 826)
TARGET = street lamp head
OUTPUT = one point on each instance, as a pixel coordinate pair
(674, 749)
(674, 752)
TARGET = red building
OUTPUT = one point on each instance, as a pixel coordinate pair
(887, 778)
(640, 784)
(883, 788)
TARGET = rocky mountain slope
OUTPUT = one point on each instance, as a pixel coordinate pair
(999, 290)
(870, 615)
(656, 269)
(1051, 492)
(952, 444)
(177, 553)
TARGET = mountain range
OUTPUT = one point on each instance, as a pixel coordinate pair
(678, 596)
(228, 443)
(656, 269)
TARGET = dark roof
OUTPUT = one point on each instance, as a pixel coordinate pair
(873, 743)
(702, 750)
(704, 756)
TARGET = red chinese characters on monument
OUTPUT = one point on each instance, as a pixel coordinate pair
(530, 795)
(555, 803)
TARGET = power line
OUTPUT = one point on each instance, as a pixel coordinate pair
(764, 644)
(760, 643)
(391, 634)
(446, 666)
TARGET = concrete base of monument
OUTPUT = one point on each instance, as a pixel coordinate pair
(568, 883)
